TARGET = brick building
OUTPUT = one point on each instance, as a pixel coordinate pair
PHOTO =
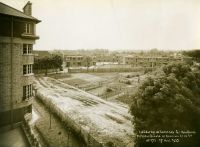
(41, 54)
(17, 36)
(137, 61)
(78, 60)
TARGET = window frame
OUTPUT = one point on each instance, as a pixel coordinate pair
(28, 28)
(27, 69)
(27, 91)
(27, 49)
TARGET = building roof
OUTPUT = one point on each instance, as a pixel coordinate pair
(40, 53)
(7, 10)
(73, 56)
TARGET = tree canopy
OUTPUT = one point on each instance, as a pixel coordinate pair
(170, 101)
(45, 63)
(195, 54)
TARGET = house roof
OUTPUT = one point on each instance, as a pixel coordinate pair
(40, 53)
(8, 10)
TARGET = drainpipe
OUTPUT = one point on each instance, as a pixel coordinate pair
(11, 61)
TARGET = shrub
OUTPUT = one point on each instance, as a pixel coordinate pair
(128, 82)
(109, 90)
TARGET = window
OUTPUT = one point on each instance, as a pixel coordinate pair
(27, 91)
(27, 48)
(27, 69)
(28, 28)
(79, 63)
(24, 69)
(30, 48)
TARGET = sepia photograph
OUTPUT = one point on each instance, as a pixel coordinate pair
(100, 73)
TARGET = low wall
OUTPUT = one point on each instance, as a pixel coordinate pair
(42, 71)
(99, 70)
(76, 128)
(32, 139)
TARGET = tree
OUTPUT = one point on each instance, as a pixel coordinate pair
(57, 62)
(170, 101)
(195, 54)
(45, 63)
(88, 61)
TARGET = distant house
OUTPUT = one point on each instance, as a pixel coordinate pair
(41, 54)
(106, 58)
(153, 61)
(17, 36)
(79, 61)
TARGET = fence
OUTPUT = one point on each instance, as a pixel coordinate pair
(112, 69)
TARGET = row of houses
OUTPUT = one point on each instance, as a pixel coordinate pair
(133, 60)
(136, 61)
(79, 61)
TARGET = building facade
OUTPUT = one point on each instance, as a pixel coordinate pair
(17, 37)
(136, 61)
(79, 61)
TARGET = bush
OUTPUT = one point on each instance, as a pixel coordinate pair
(109, 144)
(128, 82)
(109, 90)
(128, 76)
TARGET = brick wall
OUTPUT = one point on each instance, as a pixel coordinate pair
(18, 79)
(5, 75)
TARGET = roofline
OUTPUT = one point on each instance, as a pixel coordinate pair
(33, 18)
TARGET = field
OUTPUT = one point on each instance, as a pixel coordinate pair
(95, 105)
(108, 86)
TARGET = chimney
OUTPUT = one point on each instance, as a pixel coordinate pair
(28, 8)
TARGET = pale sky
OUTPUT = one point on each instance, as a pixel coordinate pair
(115, 24)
